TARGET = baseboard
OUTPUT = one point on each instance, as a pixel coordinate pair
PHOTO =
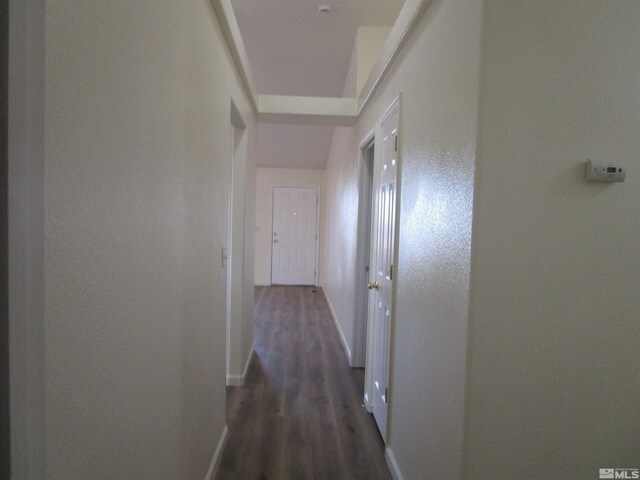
(217, 455)
(367, 403)
(393, 466)
(238, 380)
(347, 350)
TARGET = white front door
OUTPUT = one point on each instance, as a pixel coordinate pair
(294, 236)
(382, 273)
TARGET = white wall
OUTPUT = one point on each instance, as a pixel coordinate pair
(137, 149)
(340, 239)
(364, 56)
(438, 75)
(266, 179)
(369, 43)
(553, 375)
(554, 382)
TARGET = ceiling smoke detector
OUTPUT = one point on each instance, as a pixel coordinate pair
(324, 9)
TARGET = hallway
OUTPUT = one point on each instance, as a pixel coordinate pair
(299, 416)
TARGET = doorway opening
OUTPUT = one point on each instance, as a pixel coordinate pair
(233, 256)
(363, 264)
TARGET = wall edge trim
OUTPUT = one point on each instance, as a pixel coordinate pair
(217, 455)
(392, 464)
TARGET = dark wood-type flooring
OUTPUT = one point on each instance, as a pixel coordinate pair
(300, 414)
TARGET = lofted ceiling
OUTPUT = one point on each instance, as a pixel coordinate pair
(294, 50)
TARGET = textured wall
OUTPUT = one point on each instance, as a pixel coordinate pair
(267, 178)
(438, 75)
(137, 164)
(554, 379)
(369, 42)
(340, 238)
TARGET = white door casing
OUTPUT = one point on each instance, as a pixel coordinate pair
(294, 236)
(233, 256)
(382, 266)
(363, 253)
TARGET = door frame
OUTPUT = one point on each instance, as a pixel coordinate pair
(233, 255)
(317, 264)
(366, 175)
(369, 365)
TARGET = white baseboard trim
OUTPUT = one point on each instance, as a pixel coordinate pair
(238, 380)
(217, 455)
(347, 350)
(393, 466)
(367, 403)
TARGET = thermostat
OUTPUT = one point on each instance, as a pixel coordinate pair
(604, 173)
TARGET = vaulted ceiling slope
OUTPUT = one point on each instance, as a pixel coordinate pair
(294, 50)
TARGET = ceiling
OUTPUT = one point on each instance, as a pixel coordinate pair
(294, 50)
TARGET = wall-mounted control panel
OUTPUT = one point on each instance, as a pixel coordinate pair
(604, 173)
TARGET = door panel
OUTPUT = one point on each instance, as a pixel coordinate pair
(294, 236)
(381, 285)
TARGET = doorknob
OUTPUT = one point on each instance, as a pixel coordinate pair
(275, 240)
(373, 285)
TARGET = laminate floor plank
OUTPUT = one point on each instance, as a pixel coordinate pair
(299, 415)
